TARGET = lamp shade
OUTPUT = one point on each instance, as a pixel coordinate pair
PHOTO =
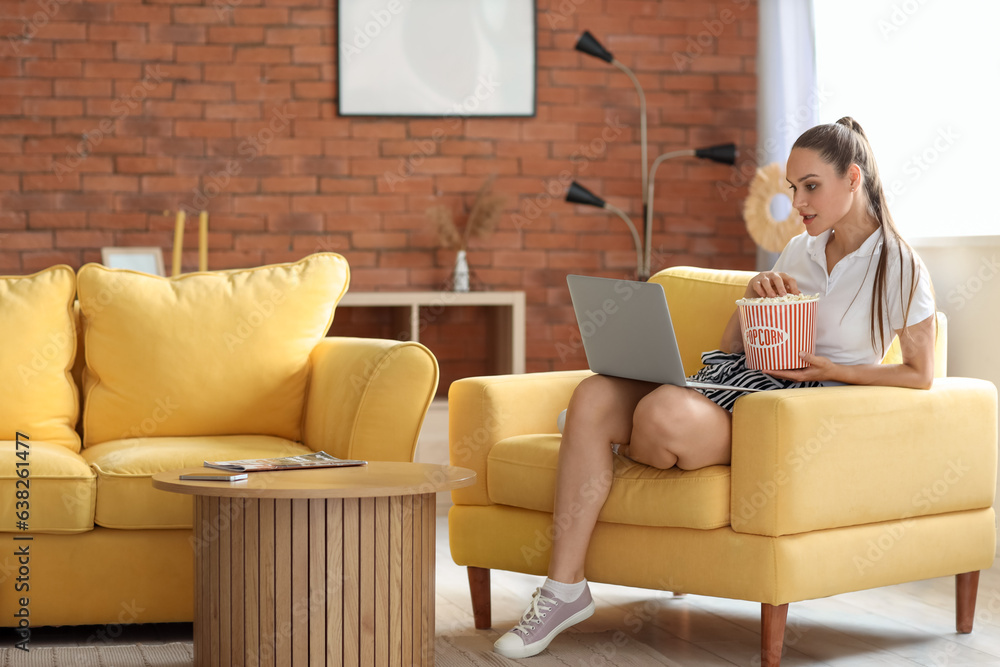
(589, 45)
(577, 194)
(724, 153)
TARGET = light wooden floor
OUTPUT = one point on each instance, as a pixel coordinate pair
(909, 624)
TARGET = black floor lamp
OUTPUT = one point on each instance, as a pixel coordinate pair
(577, 194)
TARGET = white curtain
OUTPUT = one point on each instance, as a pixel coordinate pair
(787, 94)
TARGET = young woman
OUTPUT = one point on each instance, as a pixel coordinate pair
(872, 286)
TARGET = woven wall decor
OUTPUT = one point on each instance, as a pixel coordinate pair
(768, 233)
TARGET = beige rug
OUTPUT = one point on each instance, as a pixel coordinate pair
(179, 654)
(597, 649)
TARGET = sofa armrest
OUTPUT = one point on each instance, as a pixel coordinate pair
(482, 411)
(368, 397)
(812, 459)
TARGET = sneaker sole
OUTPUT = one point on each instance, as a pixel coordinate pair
(542, 644)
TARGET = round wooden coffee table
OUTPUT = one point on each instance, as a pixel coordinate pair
(330, 566)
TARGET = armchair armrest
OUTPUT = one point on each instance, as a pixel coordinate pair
(368, 397)
(485, 410)
(812, 459)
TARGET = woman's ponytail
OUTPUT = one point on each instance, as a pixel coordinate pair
(852, 125)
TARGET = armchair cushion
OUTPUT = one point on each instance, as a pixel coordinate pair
(126, 497)
(482, 411)
(37, 394)
(521, 472)
(701, 302)
(223, 353)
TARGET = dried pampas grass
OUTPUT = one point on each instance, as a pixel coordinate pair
(441, 218)
(486, 210)
(485, 214)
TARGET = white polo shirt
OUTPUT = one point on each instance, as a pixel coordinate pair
(843, 317)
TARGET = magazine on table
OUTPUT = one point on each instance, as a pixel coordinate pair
(213, 476)
(316, 460)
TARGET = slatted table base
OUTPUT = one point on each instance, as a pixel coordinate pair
(310, 582)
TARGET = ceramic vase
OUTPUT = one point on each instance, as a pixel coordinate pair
(460, 278)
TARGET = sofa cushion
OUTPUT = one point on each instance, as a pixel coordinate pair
(37, 348)
(521, 472)
(223, 353)
(61, 488)
(126, 497)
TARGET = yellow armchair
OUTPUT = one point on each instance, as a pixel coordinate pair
(830, 490)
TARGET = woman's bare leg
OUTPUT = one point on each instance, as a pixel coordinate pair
(600, 413)
(679, 426)
(603, 411)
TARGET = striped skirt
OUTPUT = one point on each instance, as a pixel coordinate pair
(727, 368)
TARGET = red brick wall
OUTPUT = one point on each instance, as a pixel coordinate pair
(170, 93)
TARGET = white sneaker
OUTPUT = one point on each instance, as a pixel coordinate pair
(545, 618)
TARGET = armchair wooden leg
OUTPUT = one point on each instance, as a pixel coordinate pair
(772, 633)
(482, 605)
(966, 586)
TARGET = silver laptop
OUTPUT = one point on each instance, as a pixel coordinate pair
(626, 331)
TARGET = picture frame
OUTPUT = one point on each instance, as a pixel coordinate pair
(142, 259)
(436, 58)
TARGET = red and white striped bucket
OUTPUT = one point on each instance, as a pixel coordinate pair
(775, 332)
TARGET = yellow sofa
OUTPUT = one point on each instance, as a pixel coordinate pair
(111, 376)
(830, 490)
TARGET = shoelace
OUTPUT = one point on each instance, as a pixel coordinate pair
(535, 612)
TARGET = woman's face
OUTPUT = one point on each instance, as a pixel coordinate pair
(820, 196)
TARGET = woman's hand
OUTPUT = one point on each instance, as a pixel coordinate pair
(771, 283)
(818, 370)
(768, 283)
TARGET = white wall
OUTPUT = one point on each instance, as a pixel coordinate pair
(966, 276)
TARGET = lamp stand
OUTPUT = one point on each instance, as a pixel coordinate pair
(648, 208)
(588, 44)
(642, 261)
(641, 272)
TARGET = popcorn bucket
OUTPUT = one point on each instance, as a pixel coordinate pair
(776, 330)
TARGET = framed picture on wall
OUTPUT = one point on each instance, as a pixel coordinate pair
(436, 57)
(146, 260)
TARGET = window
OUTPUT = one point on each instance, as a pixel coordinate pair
(923, 79)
